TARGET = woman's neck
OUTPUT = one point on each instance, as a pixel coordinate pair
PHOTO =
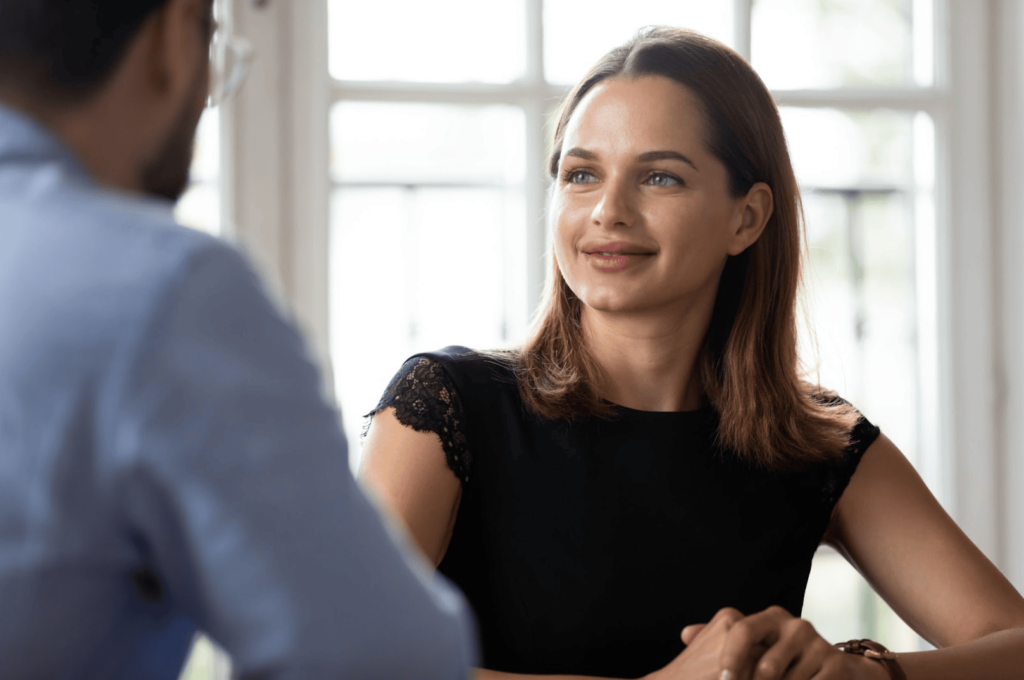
(648, 360)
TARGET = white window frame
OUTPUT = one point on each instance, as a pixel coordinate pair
(277, 187)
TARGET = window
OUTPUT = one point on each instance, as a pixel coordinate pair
(427, 224)
(437, 210)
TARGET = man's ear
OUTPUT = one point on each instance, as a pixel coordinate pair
(178, 45)
(750, 217)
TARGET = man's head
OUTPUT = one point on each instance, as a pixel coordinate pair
(123, 82)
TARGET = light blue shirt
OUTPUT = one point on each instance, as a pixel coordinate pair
(167, 461)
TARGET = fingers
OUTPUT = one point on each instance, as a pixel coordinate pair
(770, 645)
(691, 632)
(726, 617)
(743, 655)
(799, 653)
(722, 621)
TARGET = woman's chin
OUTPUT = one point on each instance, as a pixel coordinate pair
(613, 304)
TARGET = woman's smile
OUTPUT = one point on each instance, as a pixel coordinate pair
(616, 262)
(615, 256)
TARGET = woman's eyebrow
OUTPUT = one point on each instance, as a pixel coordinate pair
(647, 157)
(580, 153)
(666, 155)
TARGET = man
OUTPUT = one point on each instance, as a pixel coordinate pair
(167, 463)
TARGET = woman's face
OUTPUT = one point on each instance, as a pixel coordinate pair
(642, 214)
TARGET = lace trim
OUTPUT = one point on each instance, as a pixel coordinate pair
(424, 398)
(839, 473)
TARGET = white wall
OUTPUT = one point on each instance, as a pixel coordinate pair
(1007, 24)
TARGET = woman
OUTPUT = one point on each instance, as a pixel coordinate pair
(650, 460)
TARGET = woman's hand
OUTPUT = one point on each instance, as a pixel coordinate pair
(770, 645)
(702, 658)
(775, 645)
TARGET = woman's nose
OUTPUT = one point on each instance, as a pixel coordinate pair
(615, 206)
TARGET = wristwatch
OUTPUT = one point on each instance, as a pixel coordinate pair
(872, 650)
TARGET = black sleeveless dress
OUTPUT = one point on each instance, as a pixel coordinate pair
(585, 547)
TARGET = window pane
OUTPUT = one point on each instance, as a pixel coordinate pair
(861, 174)
(576, 36)
(842, 607)
(833, 148)
(438, 41)
(427, 238)
(857, 174)
(836, 43)
(861, 292)
(413, 143)
(417, 269)
(200, 206)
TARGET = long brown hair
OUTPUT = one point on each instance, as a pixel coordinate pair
(748, 366)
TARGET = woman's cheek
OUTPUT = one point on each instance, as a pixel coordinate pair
(564, 240)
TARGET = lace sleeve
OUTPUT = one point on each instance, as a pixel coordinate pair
(424, 398)
(839, 472)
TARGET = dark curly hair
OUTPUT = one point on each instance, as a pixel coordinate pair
(66, 49)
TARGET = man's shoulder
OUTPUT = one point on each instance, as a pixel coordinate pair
(96, 259)
(126, 222)
(96, 235)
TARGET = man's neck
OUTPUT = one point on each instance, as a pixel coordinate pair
(89, 130)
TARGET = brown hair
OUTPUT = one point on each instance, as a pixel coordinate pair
(748, 366)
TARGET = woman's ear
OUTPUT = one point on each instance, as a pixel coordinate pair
(750, 218)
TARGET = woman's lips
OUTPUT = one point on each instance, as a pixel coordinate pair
(612, 262)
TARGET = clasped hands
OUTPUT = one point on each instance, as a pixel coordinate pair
(769, 645)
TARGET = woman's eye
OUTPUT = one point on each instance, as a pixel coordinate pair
(660, 179)
(579, 177)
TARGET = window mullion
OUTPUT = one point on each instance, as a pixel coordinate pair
(742, 21)
(535, 41)
(536, 186)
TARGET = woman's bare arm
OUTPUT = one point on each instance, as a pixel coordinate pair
(406, 471)
(891, 528)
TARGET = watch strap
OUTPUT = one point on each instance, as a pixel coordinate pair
(876, 652)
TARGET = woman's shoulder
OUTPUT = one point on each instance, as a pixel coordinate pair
(467, 368)
(452, 375)
(838, 470)
(862, 433)
(466, 357)
(441, 391)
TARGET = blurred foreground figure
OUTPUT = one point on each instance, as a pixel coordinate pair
(167, 462)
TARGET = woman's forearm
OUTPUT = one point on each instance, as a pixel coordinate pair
(998, 656)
